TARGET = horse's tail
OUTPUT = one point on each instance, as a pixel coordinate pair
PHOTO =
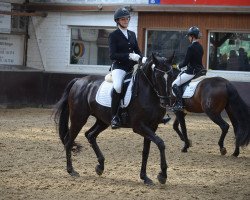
(61, 112)
(241, 114)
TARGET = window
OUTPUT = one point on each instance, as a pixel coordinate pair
(229, 51)
(90, 46)
(166, 42)
(18, 23)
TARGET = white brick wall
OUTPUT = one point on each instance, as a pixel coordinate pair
(49, 43)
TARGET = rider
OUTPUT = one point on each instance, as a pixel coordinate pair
(125, 53)
(193, 62)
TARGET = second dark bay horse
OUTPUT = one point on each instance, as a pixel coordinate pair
(146, 110)
(212, 96)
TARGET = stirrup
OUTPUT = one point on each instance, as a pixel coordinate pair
(166, 119)
(115, 122)
(177, 107)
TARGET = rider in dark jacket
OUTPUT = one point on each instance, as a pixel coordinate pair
(192, 63)
(125, 53)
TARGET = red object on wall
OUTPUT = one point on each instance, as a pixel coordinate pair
(208, 2)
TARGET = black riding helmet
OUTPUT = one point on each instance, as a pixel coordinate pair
(121, 12)
(194, 31)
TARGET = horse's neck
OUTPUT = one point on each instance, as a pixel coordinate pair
(145, 77)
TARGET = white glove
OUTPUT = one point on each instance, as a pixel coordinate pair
(144, 59)
(134, 57)
(183, 68)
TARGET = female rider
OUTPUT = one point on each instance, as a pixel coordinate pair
(193, 62)
(124, 53)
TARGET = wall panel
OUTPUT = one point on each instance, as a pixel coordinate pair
(182, 21)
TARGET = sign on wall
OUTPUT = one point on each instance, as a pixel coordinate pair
(5, 20)
(11, 49)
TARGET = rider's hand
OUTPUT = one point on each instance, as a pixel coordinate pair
(144, 59)
(134, 57)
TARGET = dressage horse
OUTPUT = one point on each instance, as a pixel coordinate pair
(212, 96)
(146, 110)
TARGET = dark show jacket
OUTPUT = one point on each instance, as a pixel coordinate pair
(120, 47)
(193, 58)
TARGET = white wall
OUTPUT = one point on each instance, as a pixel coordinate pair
(34, 59)
(49, 44)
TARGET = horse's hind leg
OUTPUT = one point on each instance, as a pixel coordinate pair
(91, 135)
(217, 119)
(77, 122)
(235, 127)
(176, 128)
(73, 132)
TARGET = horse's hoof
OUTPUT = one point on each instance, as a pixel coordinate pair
(235, 154)
(98, 170)
(148, 181)
(190, 143)
(74, 173)
(184, 150)
(162, 179)
(223, 151)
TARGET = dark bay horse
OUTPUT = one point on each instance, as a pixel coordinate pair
(146, 110)
(212, 96)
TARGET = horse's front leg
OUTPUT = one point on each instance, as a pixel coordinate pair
(91, 135)
(145, 153)
(150, 135)
(180, 115)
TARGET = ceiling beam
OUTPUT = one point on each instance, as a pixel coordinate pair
(41, 14)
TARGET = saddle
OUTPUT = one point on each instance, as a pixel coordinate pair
(189, 87)
(129, 90)
(126, 81)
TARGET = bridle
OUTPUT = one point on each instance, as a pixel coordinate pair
(153, 85)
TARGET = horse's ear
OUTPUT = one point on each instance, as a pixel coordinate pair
(154, 58)
(171, 59)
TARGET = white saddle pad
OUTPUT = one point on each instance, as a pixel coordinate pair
(190, 89)
(103, 96)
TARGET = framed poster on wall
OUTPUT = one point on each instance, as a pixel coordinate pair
(11, 49)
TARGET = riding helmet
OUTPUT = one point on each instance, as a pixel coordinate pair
(194, 31)
(121, 12)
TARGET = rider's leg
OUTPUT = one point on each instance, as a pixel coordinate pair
(117, 76)
(178, 93)
(176, 86)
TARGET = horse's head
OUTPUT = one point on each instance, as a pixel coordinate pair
(161, 69)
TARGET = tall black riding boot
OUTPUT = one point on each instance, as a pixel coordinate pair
(115, 102)
(178, 103)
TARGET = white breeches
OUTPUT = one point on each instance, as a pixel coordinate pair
(117, 77)
(182, 78)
